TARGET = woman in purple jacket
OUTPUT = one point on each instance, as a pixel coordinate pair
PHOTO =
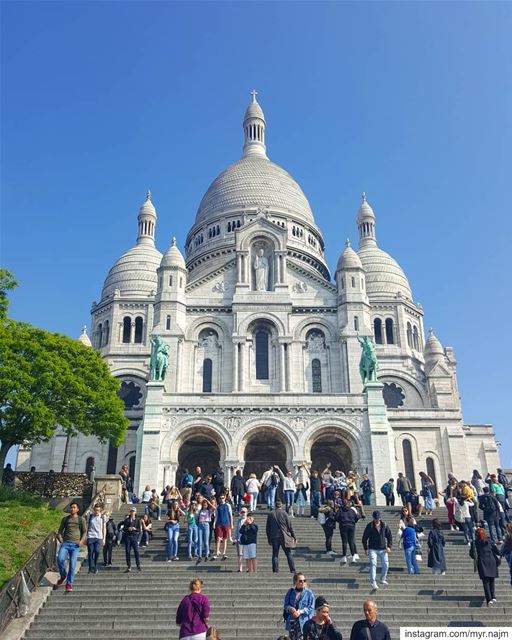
(193, 612)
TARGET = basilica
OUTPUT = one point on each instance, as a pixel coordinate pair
(264, 347)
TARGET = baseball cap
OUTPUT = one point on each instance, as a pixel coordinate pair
(133, 509)
(376, 514)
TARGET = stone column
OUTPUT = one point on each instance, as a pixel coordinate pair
(112, 486)
(241, 366)
(132, 333)
(235, 366)
(282, 374)
(239, 267)
(148, 439)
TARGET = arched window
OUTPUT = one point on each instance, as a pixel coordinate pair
(127, 329)
(131, 467)
(168, 323)
(356, 323)
(353, 280)
(409, 335)
(139, 325)
(207, 375)
(316, 373)
(89, 466)
(343, 283)
(106, 333)
(416, 338)
(261, 340)
(408, 463)
(99, 335)
(431, 471)
(390, 339)
(170, 281)
(377, 330)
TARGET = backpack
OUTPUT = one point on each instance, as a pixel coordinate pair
(186, 481)
(386, 489)
(274, 479)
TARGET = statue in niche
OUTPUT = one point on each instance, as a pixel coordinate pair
(316, 341)
(261, 271)
(209, 341)
(368, 365)
(159, 361)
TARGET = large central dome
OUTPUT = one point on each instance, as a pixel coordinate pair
(254, 181)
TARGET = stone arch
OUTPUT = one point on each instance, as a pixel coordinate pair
(212, 429)
(244, 327)
(436, 477)
(268, 430)
(206, 322)
(268, 233)
(403, 378)
(303, 327)
(327, 433)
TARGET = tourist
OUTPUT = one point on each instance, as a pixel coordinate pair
(404, 516)
(126, 485)
(239, 547)
(300, 498)
(166, 495)
(450, 498)
(96, 535)
(321, 626)
(498, 490)
(327, 520)
(280, 534)
(238, 490)
(186, 480)
(146, 530)
(315, 492)
(371, 628)
(462, 516)
(204, 519)
(8, 475)
(218, 481)
(131, 530)
(146, 495)
(347, 517)
(436, 559)
(153, 509)
(328, 482)
(404, 488)
(486, 556)
(299, 606)
(253, 486)
(491, 509)
(366, 487)
(409, 543)
(387, 491)
(506, 549)
(110, 540)
(72, 535)
(192, 530)
(427, 492)
(223, 526)
(172, 526)
(288, 490)
(415, 507)
(377, 542)
(248, 541)
(270, 481)
(478, 483)
(193, 613)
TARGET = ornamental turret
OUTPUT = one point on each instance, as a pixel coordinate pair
(147, 222)
(170, 300)
(366, 224)
(254, 129)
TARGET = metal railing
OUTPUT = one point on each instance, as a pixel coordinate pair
(42, 560)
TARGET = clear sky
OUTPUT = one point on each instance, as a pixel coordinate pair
(410, 102)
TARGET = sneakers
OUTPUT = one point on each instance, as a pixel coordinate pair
(355, 558)
(343, 560)
(215, 557)
(384, 582)
(169, 559)
(224, 557)
(69, 587)
(175, 559)
(139, 568)
(331, 553)
(128, 570)
(61, 581)
(374, 586)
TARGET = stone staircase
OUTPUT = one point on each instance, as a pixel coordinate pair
(143, 605)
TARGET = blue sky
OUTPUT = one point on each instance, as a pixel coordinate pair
(410, 102)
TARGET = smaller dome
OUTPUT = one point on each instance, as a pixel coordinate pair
(134, 273)
(349, 259)
(254, 111)
(173, 257)
(84, 338)
(433, 350)
(148, 207)
(384, 276)
(365, 211)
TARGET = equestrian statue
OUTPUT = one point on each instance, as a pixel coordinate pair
(368, 366)
(159, 361)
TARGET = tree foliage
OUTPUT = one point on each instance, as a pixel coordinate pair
(49, 380)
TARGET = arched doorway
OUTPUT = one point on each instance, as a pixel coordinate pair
(198, 450)
(331, 448)
(264, 448)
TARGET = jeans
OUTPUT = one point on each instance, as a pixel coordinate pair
(329, 493)
(467, 527)
(107, 550)
(390, 500)
(68, 550)
(367, 499)
(144, 538)
(316, 501)
(271, 496)
(254, 501)
(373, 554)
(193, 540)
(173, 534)
(410, 559)
(347, 534)
(204, 539)
(276, 545)
(93, 547)
(492, 523)
(131, 541)
(237, 501)
(151, 513)
(288, 499)
(328, 531)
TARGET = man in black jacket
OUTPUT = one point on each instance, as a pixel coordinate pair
(377, 542)
(131, 529)
(238, 490)
(491, 509)
(280, 534)
(370, 628)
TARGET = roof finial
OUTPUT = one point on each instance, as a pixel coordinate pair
(148, 195)
(254, 93)
(347, 243)
(173, 241)
(364, 196)
(84, 330)
(430, 332)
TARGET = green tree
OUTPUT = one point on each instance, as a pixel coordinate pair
(48, 380)
(7, 283)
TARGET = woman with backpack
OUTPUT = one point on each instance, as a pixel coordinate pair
(487, 559)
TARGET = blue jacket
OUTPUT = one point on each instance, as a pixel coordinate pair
(306, 603)
(408, 537)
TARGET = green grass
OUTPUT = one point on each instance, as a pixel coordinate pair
(25, 521)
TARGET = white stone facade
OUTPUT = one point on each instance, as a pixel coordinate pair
(264, 366)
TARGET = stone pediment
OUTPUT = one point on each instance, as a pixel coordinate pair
(439, 370)
(309, 278)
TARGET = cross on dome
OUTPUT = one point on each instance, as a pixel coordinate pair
(173, 241)
(347, 243)
(254, 93)
(148, 195)
(364, 196)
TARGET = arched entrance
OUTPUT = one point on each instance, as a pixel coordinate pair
(198, 450)
(264, 448)
(330, 447)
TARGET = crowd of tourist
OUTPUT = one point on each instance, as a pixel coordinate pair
(217, 518)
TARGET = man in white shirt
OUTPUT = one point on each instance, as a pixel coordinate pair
(96, 534)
